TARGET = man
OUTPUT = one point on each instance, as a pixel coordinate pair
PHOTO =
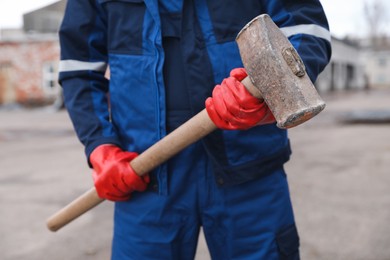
(166, 59)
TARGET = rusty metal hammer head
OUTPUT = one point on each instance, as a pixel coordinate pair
(278, 73)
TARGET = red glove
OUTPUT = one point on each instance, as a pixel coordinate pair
(232, 107)
(113, 176)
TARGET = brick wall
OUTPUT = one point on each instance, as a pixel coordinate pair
(28, 72)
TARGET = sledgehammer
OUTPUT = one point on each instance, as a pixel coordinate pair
(276, 74)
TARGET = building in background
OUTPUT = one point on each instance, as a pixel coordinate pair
(28, 70)
(44, 20)
(377, 66)
(29, 58)
(346, 70)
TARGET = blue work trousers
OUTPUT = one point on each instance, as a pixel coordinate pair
(251, 221)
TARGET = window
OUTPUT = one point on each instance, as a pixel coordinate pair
(49, 78)
(381, 79)
(382, 62)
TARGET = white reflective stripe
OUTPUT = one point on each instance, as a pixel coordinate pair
(311, 29)
(75, 65)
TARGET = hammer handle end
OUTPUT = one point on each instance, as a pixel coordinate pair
(76, 208)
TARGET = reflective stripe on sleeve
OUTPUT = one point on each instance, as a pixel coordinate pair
(75, 65)
(310, 29)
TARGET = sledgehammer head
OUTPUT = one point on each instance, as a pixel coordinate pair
(278, 73)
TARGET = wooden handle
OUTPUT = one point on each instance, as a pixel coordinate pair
(76, 208)
(193, 130)
(247, 82)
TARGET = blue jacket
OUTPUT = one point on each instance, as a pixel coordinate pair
(126, 35)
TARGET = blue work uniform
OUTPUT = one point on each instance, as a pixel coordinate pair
(165, 57)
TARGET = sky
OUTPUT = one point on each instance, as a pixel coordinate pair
(346, 17)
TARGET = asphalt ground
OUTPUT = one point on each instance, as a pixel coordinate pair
(339, 177)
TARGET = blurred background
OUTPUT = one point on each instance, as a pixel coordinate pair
(339, 172)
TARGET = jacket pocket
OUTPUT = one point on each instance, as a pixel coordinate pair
(288, 243)
(125, 25)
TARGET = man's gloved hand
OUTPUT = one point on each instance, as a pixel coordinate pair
(232, 107)
(113, 176)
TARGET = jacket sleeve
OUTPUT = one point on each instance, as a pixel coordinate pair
(81, 74)
(305, 24)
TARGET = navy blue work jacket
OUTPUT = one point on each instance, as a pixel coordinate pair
(127, 36)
